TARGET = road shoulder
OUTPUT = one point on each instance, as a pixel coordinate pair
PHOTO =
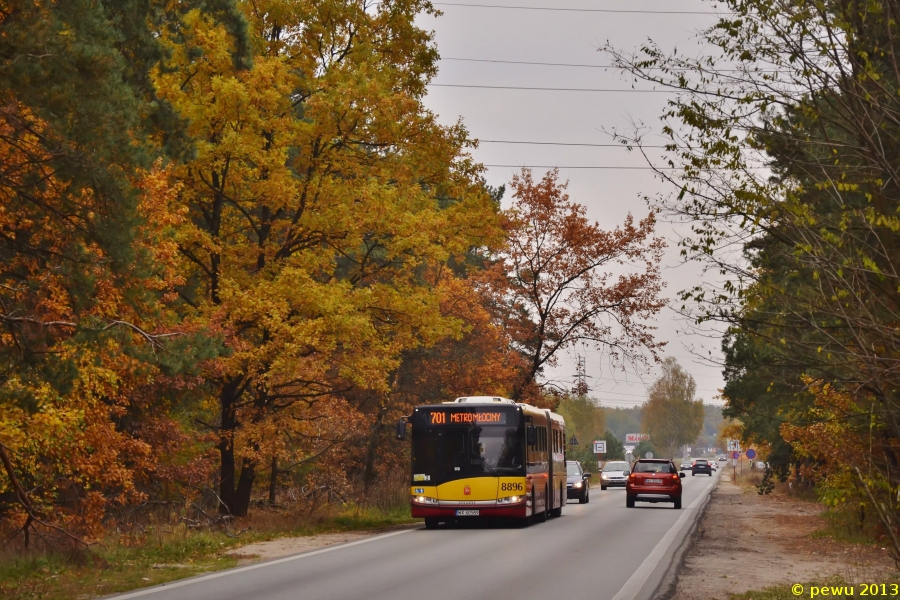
(750, 542)
(669, 584)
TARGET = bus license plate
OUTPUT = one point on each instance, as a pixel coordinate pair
(467, 513)
(654, 481)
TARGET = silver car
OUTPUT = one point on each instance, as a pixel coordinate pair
(615, 473)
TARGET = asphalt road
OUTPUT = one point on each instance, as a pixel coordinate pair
(599, 550)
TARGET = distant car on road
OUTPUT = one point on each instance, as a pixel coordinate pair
(686, 465)
(723, 458)
(614, 473)
(714, 465)
(653, 480)
(701, 465)
(577, 482)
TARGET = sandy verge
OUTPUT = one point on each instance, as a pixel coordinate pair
(752, 542)
(286, 546)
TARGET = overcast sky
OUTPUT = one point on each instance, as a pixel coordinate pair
(466, 35)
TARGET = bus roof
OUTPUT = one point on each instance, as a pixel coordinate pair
(527, 408)
(481, 400)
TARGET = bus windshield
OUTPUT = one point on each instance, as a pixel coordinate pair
(451, 452)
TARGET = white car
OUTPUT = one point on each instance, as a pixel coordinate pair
(714, 464)
(614, 473)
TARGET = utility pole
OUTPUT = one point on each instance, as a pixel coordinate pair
(581, 386)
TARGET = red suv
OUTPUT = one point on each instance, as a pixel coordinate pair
(653, 481)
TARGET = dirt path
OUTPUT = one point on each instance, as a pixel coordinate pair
(286, 546)
(752, 542)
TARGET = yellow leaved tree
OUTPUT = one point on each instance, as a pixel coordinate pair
(323, 205)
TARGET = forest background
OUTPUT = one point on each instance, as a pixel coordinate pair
(782, 150)
(236, 248)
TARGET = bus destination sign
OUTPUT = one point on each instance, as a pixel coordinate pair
(466, 417)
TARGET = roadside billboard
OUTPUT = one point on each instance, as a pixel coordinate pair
(636, 438)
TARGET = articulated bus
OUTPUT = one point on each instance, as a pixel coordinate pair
(483, 457)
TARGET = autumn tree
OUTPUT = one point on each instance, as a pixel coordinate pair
(85, 267)
(586, 422)
(324, 204)
(672, 415)
(568, 281)
(584, 419)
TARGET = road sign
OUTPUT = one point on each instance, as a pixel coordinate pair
(735, 455)
(751, 453)
(573, 441)
(599, 446)
(648, 455)
(734, 445)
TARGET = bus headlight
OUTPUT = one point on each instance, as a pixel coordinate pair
(510, 499)
(424, 500)
(578, 484)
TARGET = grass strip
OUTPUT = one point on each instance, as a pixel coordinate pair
(163, 554)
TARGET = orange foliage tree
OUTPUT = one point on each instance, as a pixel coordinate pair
(831, 439)
(568, 281)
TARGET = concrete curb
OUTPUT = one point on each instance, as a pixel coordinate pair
(666, 588)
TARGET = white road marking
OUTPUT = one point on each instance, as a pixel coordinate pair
(642, 574)
(168, 586)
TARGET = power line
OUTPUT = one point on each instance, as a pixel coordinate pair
(552, 89)
(588, 66)
(617, 393)
(562, 144)
(617, 401)
(525, 62)
(580, 10)
(579, 167)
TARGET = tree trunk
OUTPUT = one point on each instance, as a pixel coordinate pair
(227, 399)
(244, 489)
(372, 450)
(21, 495)
(273, 480)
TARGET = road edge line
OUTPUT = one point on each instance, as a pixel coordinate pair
(192, 580)
(669, 581)
(640, 576)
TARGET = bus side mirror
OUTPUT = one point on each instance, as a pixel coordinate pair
(531, 435)
(401, 429)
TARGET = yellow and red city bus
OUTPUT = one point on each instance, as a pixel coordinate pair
(485, 456)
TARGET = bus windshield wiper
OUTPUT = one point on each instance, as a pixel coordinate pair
(485, 463)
